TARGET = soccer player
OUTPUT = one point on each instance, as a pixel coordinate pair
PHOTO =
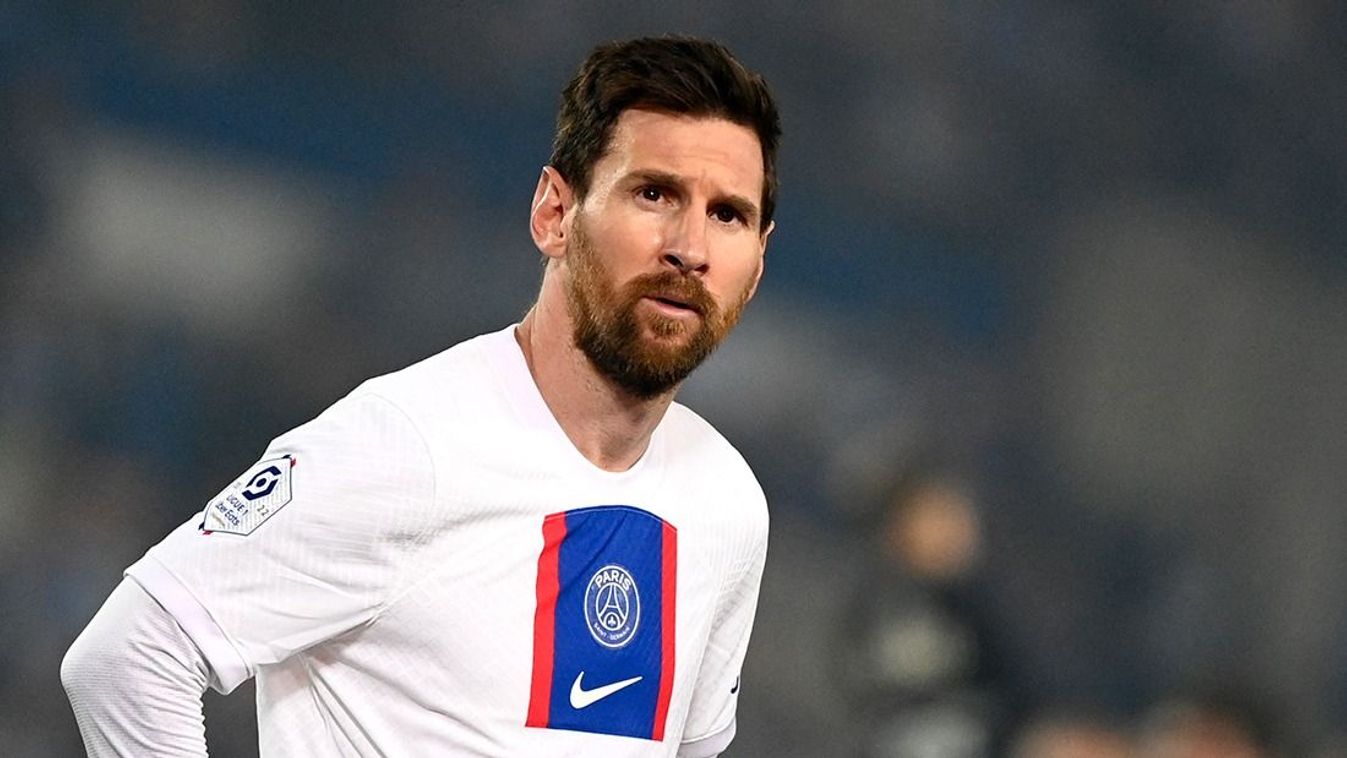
(521, 546)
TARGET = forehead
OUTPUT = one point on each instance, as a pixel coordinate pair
(694, 147)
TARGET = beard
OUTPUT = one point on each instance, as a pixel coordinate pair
(644, 354)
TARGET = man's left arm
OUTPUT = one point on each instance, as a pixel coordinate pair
(711, 718)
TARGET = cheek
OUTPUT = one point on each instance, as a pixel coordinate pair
(740, 268)
(629, 243)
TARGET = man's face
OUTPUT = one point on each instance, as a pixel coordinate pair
(665, 249)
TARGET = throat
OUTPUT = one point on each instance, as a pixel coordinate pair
(605, 423)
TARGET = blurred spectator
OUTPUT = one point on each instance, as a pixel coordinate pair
(1064, 735)
(1203, 727)
(920, 662)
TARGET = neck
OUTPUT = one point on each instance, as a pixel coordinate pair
(607, 424)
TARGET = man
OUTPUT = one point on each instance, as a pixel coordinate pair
(521, 546)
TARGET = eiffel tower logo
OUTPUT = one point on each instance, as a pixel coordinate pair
(612, 606)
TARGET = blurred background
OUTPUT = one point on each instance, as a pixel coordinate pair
(1045, 381)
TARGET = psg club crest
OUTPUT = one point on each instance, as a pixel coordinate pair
(612, 606)
(604, 626)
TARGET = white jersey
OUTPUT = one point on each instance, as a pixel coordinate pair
(430, 567)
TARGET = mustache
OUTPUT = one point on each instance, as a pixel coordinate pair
(669, 285)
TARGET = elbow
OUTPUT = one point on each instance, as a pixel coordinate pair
(74, 667)
(131, 681)
(80, 669)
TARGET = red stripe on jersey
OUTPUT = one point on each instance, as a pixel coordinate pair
(669, 594)
(544, 620)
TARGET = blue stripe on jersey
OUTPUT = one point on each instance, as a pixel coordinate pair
(608, 622)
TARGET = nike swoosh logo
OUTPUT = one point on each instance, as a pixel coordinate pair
(583, 698)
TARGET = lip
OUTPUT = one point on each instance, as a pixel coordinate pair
(672, 306)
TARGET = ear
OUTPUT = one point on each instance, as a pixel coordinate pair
(548, 221)
(762, 258)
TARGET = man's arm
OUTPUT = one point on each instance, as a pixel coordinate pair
(276, 563)
(708, 747)
(135, 680)
(711, 717)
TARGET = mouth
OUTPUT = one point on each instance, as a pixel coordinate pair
(673, 301)
(674, 305)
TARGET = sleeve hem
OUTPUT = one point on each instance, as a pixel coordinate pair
(710, 745)
(228, 668)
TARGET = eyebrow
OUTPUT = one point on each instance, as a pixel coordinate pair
(742, 205)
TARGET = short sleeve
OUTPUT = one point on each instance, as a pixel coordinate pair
(710, 726)
(305, 545)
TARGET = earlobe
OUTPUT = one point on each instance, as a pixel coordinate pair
(552, 200)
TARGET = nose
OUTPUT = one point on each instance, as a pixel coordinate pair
(685, 245)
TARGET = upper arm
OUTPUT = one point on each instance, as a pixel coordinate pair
(302, 547)
(711, 718)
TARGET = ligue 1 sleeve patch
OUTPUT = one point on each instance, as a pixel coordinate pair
(603, 629)
(251, 499)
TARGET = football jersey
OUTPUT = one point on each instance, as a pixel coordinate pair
(430, 567)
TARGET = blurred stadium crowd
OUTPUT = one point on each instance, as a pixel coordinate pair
(1045, 382)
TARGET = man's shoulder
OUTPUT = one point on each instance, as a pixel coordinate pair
(417, 401)
(462, 370)
(700, 444)
(461, 361)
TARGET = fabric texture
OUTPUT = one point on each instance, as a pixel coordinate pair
(135, 680)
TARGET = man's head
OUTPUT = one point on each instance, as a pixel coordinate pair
(676, 75)
(655, 212)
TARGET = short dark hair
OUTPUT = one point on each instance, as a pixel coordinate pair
(681, 75)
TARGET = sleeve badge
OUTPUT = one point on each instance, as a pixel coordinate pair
(251, 499)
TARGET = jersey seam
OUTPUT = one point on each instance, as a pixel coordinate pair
(398, 590)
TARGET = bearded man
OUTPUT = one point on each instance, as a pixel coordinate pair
(521, 546)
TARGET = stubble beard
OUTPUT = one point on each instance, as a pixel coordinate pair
(646, 354)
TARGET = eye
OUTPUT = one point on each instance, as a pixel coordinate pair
(726, 215)
(652, 193)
